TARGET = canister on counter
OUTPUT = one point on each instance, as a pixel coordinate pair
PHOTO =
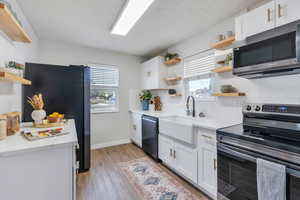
(13, 123)
(3, 127)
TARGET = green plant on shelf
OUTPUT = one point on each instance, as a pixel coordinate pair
(170, 56)
(145, 95)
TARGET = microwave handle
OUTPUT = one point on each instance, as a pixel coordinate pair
(241, 156)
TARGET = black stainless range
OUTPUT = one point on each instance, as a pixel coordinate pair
(270, 132)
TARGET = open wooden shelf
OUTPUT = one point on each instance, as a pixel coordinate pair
(224, 43)
(11, 27)
(173, 61)
(238, 94)
(222, 69)
(173, 79)
(13, 78)
(175, 95)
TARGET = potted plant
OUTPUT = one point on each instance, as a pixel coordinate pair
(15, 68)
(228, 60)
(145, 98)
(170, 56)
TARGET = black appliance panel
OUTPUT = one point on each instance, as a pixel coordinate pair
(275, 49)
(65, 90)
(150, 135)
(237, 174)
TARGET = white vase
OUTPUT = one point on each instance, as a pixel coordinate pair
(38, 116)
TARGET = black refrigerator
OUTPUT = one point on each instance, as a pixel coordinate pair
(65, 89)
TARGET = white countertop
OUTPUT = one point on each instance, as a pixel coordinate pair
(205, 122)
(152, 113)
(18, 144)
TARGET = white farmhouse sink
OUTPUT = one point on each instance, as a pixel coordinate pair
(180, 128)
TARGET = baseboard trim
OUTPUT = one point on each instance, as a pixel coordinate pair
(110, 144)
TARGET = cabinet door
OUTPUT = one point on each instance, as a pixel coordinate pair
(287, 11)
(138, 122)
(150, 74)
(260, 19)
(166, 150)
(186, 161)
(136, 129)
(208, 169)
(239, 28)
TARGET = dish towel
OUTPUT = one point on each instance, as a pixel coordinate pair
(271, 180)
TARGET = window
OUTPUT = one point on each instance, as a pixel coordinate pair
(104, 88)
(198, 76)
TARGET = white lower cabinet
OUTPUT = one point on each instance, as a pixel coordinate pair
(180, 157)
(136, 128)
(196, 164)
(207, 162)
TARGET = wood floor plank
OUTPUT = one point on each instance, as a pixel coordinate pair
(105, 181)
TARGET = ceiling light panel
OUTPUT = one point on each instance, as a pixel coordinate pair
(131, 13)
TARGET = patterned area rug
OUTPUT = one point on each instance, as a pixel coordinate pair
(153, 183)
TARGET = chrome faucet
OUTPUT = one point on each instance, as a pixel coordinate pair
(188, 110)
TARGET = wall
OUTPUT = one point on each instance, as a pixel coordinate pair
(106, 128)
(10, 94)
(272, 90)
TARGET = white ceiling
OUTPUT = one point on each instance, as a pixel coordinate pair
(89, 22)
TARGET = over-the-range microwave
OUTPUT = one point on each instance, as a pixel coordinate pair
(273, 56)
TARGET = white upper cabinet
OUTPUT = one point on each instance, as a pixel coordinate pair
(273, 14)
(260, 19)
(287, 11)
(153, 73)
(239, 28)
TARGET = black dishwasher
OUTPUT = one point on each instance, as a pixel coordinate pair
(150, 135)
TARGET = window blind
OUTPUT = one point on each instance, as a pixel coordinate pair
(199, 65)
(107, 76)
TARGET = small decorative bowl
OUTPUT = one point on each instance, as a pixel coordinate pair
(55, 119)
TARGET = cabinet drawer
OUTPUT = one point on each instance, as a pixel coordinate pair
(207, 137)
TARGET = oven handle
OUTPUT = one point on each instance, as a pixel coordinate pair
(298, 43)
(230, 151)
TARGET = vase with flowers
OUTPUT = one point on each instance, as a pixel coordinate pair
(37, 103)
(145, 98)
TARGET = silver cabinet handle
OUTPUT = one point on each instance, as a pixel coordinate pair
(174, 154)
(171, 153)
(279, 10)
(269, 14)
(215, 164)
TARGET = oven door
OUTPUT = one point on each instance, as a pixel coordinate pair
(237, 174)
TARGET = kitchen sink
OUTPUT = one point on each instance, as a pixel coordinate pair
(178, 127)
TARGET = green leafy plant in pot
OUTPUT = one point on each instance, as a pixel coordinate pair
(170, 56)
(145, 98)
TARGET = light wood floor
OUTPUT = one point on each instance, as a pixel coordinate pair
(104, 181)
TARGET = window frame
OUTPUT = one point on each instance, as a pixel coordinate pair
(116, 107)
(201, 77)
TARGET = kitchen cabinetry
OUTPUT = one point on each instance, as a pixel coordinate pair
(260, 19)
(153, 73)
(136, 128)
(207, 161)
(44, 169)
(266, 17)
(287, 11)
(181, 158)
